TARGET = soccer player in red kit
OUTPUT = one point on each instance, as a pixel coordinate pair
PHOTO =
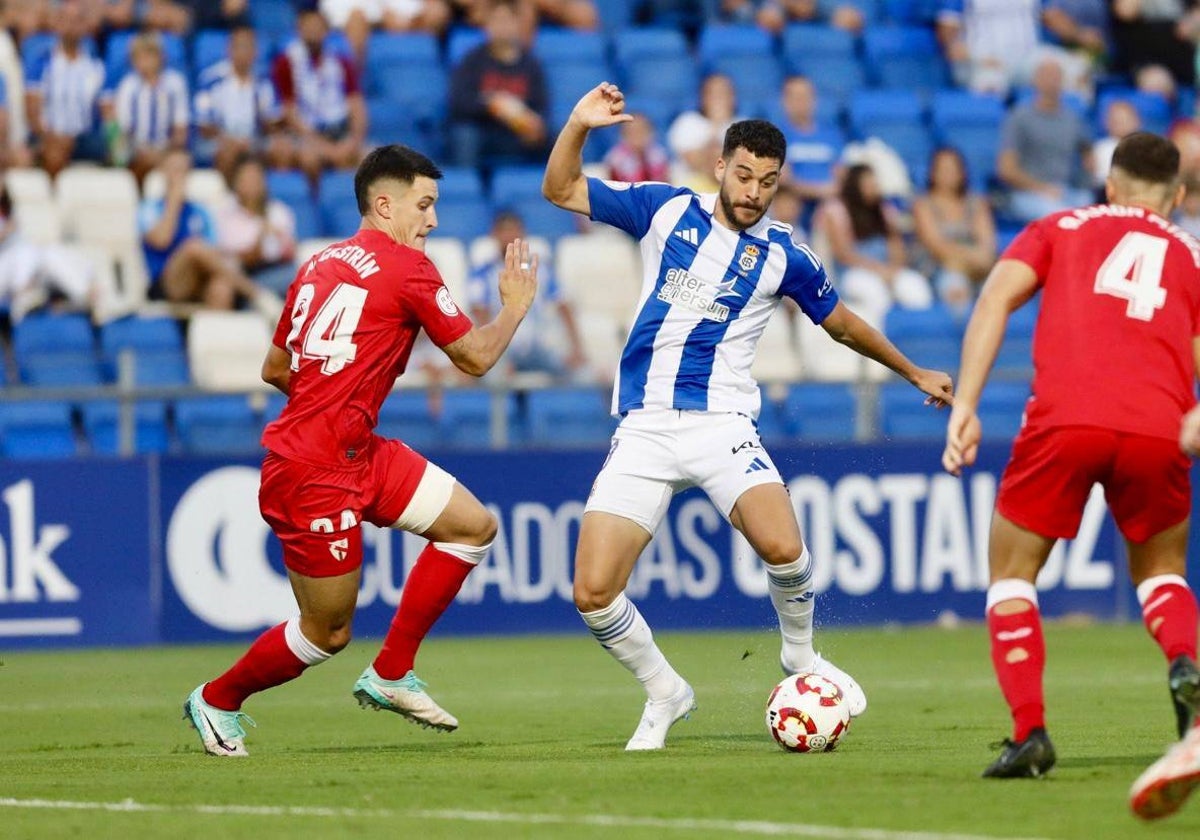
(352, 315)
(1114, 356)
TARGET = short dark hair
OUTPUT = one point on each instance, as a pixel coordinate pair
(1147, 157)
(393, 161)
(758, 137)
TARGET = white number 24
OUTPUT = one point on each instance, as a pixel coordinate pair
(330, 337)
(1133, 272)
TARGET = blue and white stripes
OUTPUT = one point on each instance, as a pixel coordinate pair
(792, 576)
(612, 623)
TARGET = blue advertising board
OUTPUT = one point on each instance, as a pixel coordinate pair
(104, 552)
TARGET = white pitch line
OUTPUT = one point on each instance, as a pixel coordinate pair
(753, 827)
(40, 627)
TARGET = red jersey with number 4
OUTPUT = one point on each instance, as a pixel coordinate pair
(352, 315)
(1112, 347)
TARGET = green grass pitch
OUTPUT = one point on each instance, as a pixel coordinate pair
(539, 753)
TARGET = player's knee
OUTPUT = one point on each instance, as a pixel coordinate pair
(778, 550)
(591, 598)
(338, 639)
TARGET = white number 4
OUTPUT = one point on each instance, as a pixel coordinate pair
(1133, 272)
(330, 336)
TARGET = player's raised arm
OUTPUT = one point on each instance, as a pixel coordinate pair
(477, 351)
(564, 183)
(845, 327)
(1010, 284)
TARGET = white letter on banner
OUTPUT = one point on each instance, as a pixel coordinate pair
(859, 568)
(902, 493)
(810, 498)
(31, 560)
(983, 499)
(1082, 572)
(946, 543)
(703, 580)
(527, 515)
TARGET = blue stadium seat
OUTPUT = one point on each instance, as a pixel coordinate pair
(802, 41)
(464, 218)
(45, 332)
(567, 81)
(101, 423)
(38, 45)
(544, 219)
(658, 110)
(904, 57)
(116, 55)
(615, 14)
(308, 219)
(40, 429)
(950, 109)
(821, 411)
(1070, 99)
(516, 183)
(210, 46)
(772, 427)
(903, 414)
(467, 416)
(1153, 109)
(1001, 409)
(416, 90)
(834, 76)
(719, 41)
(394, 47)
(1015, 358)
(980, 148)
(921, 12)
(554, 46)
(289, 186)
(462, 40)
(162, 367)
(648, 42)
(272, 16)
(143, 336)
(405, 416)
(663, 77)
(217, 425)
(568, 416)
(62, 370)
(756, 78)
(274, 407)
(894, 116)
(459, 183)
(930, 337)
(872, 10)
(338, 206)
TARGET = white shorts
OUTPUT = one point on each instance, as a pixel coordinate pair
(657, 452)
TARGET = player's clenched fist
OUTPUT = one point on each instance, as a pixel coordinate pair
(602, 105)
(963, 434)
(518, 278)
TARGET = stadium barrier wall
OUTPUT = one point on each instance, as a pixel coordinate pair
(149, 550)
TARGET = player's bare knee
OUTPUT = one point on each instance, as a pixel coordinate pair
(338, 639)
(777, 551)
(591, 598)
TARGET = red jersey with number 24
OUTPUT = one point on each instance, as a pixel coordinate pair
(1112, 347)
(352, 315)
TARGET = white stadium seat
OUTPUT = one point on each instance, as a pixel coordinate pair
(600, 273)
(826, 360)
(226, 349)
(205, 187)
(114, 231)
(305, 248)
(602, 339)
(28, 184)
(450, 257)
(39, 221)
(83, 189)
(778, 358)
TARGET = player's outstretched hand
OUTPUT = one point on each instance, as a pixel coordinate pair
(518, 278)
(963, 434)
(602, 105)
(937, 386)
(1189, 432)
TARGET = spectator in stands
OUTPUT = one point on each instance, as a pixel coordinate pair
(322, 98)
(765, 14)
(1155, 32)
(551, 344)
(184, 263)
(788, 207)
(845, 16)
(868, 250)
(150, 112)
(955, 230)
(216, 14)
(1185, 134)
(1080, 25)
(62, 95)
(498, 99)
(236, 109)
(25, 17)
(813, 149)
(638, 156)
(1045, 149)
(257, 230)
(695, 137)
(1188, 214)
(570, 14)
(357, 18)
(11, 153)
(1120, 119)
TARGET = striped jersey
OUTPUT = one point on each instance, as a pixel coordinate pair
(233, 105)
(69, 89)
(707, 294)
(149, 111)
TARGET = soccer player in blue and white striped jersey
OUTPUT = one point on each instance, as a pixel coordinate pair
(151, 106)
(716, 267)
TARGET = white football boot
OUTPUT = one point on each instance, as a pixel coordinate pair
(406, 697)
(220, 731)
(1167, 783)
(659, 716)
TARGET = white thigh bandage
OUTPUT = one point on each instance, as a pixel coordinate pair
(427, 503)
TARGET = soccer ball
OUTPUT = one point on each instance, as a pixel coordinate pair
(807, 713)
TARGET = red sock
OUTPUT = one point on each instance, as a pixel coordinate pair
(1019, 658)
(1170, 613)
(431, 586)
(269, 662)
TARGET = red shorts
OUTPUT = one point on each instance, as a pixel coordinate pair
(1146, 480)
(316, 511)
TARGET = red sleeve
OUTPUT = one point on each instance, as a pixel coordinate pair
(350, 71)
(430, 301)
(285, 319)
(1032, 247)
(281, 75)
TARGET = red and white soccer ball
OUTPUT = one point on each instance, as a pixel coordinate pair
(807, 713)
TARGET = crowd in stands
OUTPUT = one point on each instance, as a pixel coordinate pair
(922, 134)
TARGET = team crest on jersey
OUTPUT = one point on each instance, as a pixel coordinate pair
(445, 302)
(749, 258)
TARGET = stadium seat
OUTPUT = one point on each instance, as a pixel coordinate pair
(339, 208)
(600, 273)
(662, 76)
(615, 14)
(210, 46)
(289, 186)
(1153, 109)
(951, 109)
(224, 425)
(903, 414)
(814, 411)
(930, 337)
(834, 76)
(226, 349)
(28, 184)
(44, 334)
(101, 424)
(450, 258)
(567, 81)
(273, 407)
(656, 109)
(405, 415)
(418, 90)
(307, 248)
(568, 417)
(387, 48)
(467, 416)
(602, 337)
(904, 57)
(308, 219)
(85, 189)
(919, 12)
(756, 78)
(205, 187)
(770, 423)
(62, 370)
(827, 361)
(555, 46)
(116, 55)
(894, 116)
(271, 17)
(719, 41)
(515, 183)
(980, 148)
(806, 40)
(1002, 409)
(39, 221)
(460, 183)
(778, 357)
(462, 40)
(645, 42)
(464, 218)
(544, 219)
(39, 429)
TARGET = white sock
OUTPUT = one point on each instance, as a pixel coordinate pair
(298, 643)
(790, 585)
(621, 630)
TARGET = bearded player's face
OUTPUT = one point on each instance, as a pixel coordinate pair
(748, 184)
